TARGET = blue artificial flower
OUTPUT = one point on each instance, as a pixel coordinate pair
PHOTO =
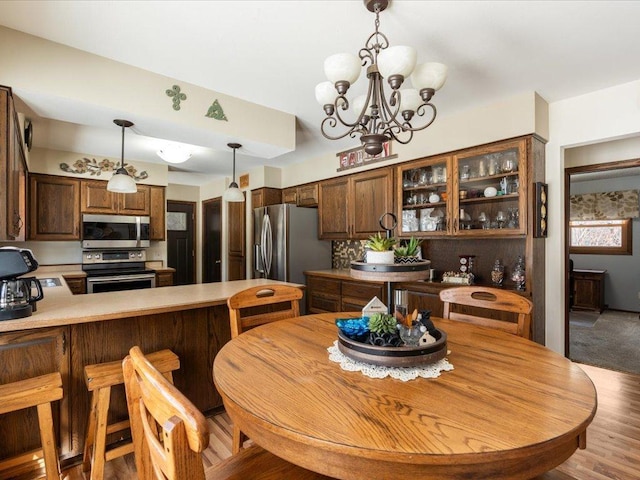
(353, 327)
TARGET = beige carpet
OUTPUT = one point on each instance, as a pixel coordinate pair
(610, 340)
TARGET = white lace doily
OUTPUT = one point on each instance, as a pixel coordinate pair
(377, 371)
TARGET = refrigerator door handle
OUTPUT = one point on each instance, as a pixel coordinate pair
(267, 246)
(257, 259)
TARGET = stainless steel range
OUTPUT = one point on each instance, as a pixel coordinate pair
(114, 270)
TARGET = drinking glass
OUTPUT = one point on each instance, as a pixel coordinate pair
(501, 218)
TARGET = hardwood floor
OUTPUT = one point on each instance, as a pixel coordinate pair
(613, 439)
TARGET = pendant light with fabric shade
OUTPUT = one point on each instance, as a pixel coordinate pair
(233, 193)
(122, 182)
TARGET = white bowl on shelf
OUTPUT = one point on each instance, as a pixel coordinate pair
(490, 192)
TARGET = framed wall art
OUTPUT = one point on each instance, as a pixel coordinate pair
(540, 220)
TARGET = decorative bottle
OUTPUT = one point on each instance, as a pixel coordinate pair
(518, 274)
(497, 273)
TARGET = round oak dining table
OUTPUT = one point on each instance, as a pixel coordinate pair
(510, 408)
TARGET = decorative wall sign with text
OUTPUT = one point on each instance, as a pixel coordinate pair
(95, 168)
(356, 157)
(215, 111)
(540, 220)
(176, 95)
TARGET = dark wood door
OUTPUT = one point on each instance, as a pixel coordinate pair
(211, 247)
(236, 260)
(372, 197)
(333, 209)
(180, 240)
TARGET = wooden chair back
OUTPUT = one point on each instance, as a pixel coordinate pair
(168, 431)
(240, 306)
(489, 299)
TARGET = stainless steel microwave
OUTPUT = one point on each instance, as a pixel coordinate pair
(114, 231)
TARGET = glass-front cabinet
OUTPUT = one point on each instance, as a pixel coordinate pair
(475, 192)
(424, 209)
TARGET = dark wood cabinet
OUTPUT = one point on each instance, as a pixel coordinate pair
(157, 213)
(326, 294)
(12, 171)
(307, 195)
(350, 207)
(29, 354)
(77, 284)
(262, 197)
(290, 195)
(237, 258)
(164, 278)
(54, 208)
(95, 198)
(588, 290)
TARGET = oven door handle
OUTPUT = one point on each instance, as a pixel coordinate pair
(120, 278)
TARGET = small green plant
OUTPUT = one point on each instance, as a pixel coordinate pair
(378, 243)
(410, 249)
(383, 323)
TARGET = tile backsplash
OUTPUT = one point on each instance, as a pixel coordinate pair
(343, 252)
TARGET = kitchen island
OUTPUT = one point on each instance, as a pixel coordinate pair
(69, 331)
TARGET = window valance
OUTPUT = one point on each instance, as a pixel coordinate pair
(604, 205)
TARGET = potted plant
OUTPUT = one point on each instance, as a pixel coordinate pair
(409, 252)
(379, 249)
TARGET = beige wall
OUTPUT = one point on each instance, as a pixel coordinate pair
(511, 117)
(603, 152)
(606, 115)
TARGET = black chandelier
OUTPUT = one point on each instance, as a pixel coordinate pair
(380, 116)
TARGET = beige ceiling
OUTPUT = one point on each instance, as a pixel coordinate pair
(271, 53)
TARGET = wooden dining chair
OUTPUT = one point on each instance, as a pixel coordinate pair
(169, 434)
(457, 301)
(245, 311)
(248, 309)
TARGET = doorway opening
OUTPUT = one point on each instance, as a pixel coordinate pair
(212, 240)
(602, 297)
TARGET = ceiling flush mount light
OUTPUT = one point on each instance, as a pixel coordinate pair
(122, 182)
(233, 193)
(381, 116)
(174, 154)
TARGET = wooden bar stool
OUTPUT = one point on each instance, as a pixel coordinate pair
(36, 392)
(99, 379)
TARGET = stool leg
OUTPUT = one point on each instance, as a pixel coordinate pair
(90, 436)
(100, 444)
(48, 439)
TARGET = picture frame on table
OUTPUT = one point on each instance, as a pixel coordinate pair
(541, 212)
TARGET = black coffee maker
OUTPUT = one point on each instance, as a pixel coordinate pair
(17, 299)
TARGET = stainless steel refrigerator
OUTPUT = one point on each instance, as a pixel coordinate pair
(286, 243)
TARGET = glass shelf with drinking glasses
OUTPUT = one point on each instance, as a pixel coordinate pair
(491, 190)
(424, 200)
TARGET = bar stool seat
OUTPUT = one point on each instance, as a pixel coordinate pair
(36, 392)
(99, 379)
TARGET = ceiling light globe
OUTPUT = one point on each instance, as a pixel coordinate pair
(122, 182)
(343, 67)
(398, 60)
(429, 75)
(325, 93)
(174, 154)
(233, 194)
(409, 99)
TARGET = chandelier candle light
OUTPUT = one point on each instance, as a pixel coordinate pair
(381, 116)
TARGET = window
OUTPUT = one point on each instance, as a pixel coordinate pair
(601, 237)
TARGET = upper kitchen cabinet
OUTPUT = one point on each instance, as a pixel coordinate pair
(302, 196)
(97, 199)
(424, 204)
(264, 196)
(157, 213)
(477, 192)
(350, 207)
(54, 208)
(12, 171)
